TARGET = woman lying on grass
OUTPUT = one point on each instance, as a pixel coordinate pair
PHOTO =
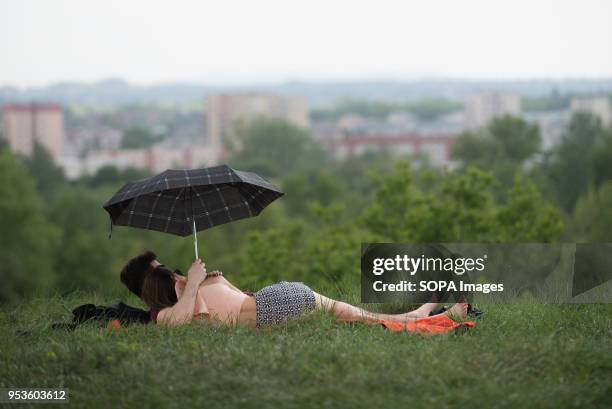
(176, 300)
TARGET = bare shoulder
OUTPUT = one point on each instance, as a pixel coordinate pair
(167, 317)
(163, 315)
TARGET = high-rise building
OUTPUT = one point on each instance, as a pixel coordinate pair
(599, 106)
(225, 111)
(481, 108)
(25, 124)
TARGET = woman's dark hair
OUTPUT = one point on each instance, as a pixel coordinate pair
(133, 273)
(158, 288)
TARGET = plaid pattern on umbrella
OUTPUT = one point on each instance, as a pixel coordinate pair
(212, 196)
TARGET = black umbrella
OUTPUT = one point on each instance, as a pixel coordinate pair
(183, 202)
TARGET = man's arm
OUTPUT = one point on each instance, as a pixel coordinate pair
(182, 312)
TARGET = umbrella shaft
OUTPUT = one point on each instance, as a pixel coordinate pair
(195, 240)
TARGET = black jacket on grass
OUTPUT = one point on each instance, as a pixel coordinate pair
(120, 311)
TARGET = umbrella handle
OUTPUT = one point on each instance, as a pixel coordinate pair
(195, 240)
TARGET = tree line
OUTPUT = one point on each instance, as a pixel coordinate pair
(55, 234)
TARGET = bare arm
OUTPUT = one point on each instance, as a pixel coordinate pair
(182, 312)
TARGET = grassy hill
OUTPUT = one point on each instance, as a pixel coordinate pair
(518, 356)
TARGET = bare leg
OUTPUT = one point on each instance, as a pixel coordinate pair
(424, 310)
(349, 313)
(459, 310)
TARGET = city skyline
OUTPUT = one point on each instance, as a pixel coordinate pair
(274, 41)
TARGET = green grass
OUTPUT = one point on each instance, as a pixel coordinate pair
(518, 356)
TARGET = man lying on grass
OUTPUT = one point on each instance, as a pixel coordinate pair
(175, 300)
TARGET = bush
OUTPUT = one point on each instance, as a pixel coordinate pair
(27, 239)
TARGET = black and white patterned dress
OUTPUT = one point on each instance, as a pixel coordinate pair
(277, 303)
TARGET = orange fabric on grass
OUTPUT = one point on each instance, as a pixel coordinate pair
(438, 324)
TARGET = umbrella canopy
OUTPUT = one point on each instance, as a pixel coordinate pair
(183, 202)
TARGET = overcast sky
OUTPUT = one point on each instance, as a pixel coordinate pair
(229, 41)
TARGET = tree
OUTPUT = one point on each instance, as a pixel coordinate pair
(138, 137)
(449, 207)
(27, 239)
(571, 165)
(83, 259)
(458, 207)
(48, 176)
(478, 149)
(602, 160)
(592, 220)
(503, 147)
(519, 140)
(310, 187)
(325, 254)
(427, 109)
(527, 217)
(554, 101)
(111, 175)
(275, 148)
